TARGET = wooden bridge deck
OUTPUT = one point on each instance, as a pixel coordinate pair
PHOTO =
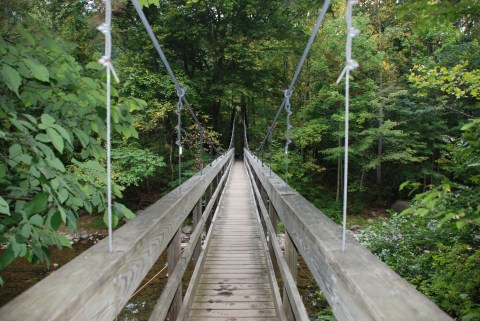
(235, 280)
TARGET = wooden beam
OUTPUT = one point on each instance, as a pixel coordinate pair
(196, 215)
(97, 284)
(357, 285)
(173, 256)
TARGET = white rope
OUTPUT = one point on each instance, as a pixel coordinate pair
(349, 66)
(106, 61)
(287, 93)
(180, 93)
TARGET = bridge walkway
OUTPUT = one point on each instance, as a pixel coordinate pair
(235, 279)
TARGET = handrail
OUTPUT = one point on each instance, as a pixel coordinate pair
(298, 308)
(97, 284)
(161, 308)
(357, 285)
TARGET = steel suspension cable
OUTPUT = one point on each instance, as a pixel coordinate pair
(154, 40)
(306, 51)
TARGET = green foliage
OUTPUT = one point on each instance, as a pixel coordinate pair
(443, 264)
(52, 131)
(132, 164)
(457, 81)
(456, 199)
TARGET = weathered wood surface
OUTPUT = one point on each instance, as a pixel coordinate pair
(357, 285)
(97, 284)
(287, 263)
(235, 281)
(175, 277)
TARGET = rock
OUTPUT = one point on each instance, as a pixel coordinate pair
(187, 229)
(370, 221)
(84, 235)
(355, 227)
(55, 265)
(400, 206)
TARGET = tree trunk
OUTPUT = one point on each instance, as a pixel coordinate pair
(380, 150)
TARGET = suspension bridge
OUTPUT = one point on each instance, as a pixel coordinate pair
(241, 272)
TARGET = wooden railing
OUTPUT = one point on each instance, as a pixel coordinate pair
(97, 284)
(357, 285)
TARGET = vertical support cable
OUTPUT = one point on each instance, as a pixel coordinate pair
(106, 61)
(349, 66)
(288, 94)
(270, 139)
(201, 150)
(180, 93)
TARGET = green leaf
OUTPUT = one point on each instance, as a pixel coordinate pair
(54, 220)
(26, 229)
(4, 208)
(115, 219)
(27, 36)
(62, 132)
(15, 151)
(62, 195)
(82, 136)
(37, 204)
(94, 65)
(56, 163)
(36, 220)
(121, 210)
(11, 77)
(7, 257)
(43, 138)
(38, 70)
(63, 215)
(63, 241)
(3, 171)
(461, 224)
(47, 119)
(56, 138)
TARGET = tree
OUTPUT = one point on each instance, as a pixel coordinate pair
(53, 127)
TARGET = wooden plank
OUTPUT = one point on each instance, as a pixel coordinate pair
(233, 314)
(214, 305)
(225, 293)
(205, 297)
(235, 271)
(357, 285)
(233, 286)
(97, 284)
(249, 318)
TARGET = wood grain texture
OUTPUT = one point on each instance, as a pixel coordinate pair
(97, 284)
(235, 272)
(357, 285)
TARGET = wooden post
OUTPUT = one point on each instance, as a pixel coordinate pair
(291, 256)
(173, 253)
(196, 214)
(264, 195)
(208, 197)
(274, 219)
